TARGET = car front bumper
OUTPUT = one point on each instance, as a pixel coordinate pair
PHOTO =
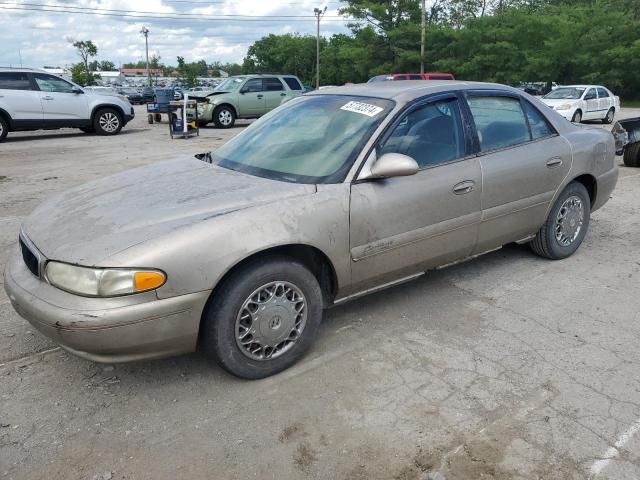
(111, 330)
(129, 116)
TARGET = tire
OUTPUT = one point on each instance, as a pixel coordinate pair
(224, 116)
(632, 155)
(87, 130)
(608, 120)
(223, 326)
(546, 243)
(577, 117)
(4, 128)
(107, 121)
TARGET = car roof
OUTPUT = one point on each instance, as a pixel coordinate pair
(580, 86)
(408, 90)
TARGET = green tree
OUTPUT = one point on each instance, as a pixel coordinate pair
(81, 72)
(186, 72)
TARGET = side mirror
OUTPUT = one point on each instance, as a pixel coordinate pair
(243, 90)
(76, 90)
(393, 165)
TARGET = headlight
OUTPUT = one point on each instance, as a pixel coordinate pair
(102, 282)
(565, 106)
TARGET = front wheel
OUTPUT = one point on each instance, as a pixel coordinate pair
(566, 225)
(107, 122)
(263, 318)
(577, 117)
(224, 117)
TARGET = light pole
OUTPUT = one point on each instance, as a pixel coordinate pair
(145, 32)
(422, 40)
(318, 13)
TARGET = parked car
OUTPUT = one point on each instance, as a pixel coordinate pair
(33, 100)
(627, 135)
(335, 194)
(412, 76)
(246, 96)
(583, 102)
(133, 95)
(148, 94)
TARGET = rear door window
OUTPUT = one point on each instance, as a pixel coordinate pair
(500, 121)
(273, 85)
(602, 93)
(538, 124)
(293, 83)
(14, 81)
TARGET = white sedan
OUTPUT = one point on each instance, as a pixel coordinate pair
(583, 102)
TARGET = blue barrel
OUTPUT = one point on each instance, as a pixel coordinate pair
(164, 95)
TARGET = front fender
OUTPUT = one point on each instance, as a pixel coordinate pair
(197, 256)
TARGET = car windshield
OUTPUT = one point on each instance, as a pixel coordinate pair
(311, 139)
(572, 93)
(230, 84)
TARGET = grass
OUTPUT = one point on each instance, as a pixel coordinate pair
(630, 103)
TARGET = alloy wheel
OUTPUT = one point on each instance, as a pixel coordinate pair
(109, 122)
(225, 117)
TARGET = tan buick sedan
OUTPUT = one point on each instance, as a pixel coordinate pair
(330, 196)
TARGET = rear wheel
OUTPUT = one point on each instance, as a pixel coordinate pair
(224, 117)
(263, 318)
(4, 129)
(577, 117)
(632, 155)
(566, 225)
(107, 122)
(609, 118)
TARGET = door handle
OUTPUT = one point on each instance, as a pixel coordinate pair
(554, 162)
(283, 94)
(47, 98)
(463, 187)
(260, 96)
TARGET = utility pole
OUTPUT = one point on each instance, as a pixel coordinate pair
(20, 54)
(422, 41)
(145, 32)
(318, 13)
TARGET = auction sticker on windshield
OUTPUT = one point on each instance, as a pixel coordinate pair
(362, 108)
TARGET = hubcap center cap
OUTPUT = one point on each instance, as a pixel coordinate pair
(274, 322)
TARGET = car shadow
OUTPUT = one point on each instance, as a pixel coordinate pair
(23, 138)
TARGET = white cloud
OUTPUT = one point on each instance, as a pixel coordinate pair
(42, 38)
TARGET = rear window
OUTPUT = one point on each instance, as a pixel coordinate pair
(14, 81)
(293, 83)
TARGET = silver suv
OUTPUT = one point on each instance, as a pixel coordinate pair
(33, 100)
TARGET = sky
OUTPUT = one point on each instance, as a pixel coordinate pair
(41, 32)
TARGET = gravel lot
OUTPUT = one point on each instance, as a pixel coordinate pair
(505, 367)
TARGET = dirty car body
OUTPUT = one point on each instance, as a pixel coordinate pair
(249, 245)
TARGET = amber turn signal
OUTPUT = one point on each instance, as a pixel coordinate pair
(143, 281)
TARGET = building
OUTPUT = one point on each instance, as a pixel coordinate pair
(60, 72)
(111, 78)
(140, 72)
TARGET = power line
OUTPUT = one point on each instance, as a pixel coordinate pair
(145, 14)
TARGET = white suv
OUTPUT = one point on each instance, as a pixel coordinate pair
(33, 100)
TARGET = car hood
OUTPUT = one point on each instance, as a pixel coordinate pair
(555, 102)
(92, 222)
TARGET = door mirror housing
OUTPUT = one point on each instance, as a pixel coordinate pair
(392, 165)
(76, 90)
